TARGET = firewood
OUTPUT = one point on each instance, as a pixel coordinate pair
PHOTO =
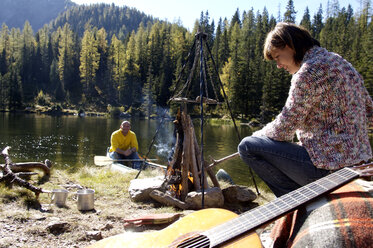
(210, 173)
(29, 166)
(165, 199)
(193, 158)
(185, 159)
(11, 177)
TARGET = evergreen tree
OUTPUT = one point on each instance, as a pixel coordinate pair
(117, 67)
(26, 62)
(317, 24)
(66, 59)
(290, 13)
(132, 84)
(103, 83)
(89, 63)
(306, 20)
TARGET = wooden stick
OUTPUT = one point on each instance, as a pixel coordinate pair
(208, 170)
(216, 162)
(196, 178)
(156, 165)
(185, 164)
(104, 160)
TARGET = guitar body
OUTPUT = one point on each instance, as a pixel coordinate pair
(191, 224)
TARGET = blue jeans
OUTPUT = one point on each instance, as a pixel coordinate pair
(134, 155)
(283, 166)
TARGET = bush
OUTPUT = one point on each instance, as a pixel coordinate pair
(115, 111)
(43, 99)
(57, 108)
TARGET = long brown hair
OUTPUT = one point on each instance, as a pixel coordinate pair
(291, 35)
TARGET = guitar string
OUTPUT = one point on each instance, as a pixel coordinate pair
(196, 242)
(305, 193)
(308, 192)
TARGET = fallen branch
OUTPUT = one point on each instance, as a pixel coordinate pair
(11, 177)
(29, 166)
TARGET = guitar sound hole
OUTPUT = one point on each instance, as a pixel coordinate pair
(199, 241)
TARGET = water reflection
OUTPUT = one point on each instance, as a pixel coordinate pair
(72, 142)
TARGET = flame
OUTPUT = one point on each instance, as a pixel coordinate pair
(176, 188)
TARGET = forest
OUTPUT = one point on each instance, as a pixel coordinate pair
(101, 57)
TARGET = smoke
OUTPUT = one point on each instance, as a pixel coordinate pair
(165, 140)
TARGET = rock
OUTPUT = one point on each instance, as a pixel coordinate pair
(58, 227)
(213, 198)
(238, 194)
(107, 227)
(222, 175)
(140, 189)
(38, 217)
(93, 235)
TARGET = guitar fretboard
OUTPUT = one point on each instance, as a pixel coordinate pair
(280, 206)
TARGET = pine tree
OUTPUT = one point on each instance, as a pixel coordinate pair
(132, 83)
(317, 24)
(28, 44)
(66, 60)
(306, 20)
(290, 13)
(117, 67)
(89, 63)
(103, 83)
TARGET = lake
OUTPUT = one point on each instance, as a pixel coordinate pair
(71, 142)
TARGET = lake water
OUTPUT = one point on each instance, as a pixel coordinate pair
(71, 142)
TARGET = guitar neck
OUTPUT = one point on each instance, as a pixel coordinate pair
(256, 217)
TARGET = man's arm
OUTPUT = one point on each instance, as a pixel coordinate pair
(115, 146)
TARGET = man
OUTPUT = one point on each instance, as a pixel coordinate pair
(124, 144)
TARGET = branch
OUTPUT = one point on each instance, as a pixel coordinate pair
(216, 162)
(8, 174)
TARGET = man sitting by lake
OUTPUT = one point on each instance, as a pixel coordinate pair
(124, 144)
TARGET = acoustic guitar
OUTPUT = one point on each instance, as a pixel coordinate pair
(222, 228)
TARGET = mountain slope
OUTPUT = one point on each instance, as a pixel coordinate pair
(115, 20)
(14, 13)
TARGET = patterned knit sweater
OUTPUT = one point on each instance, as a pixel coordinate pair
(329, 110)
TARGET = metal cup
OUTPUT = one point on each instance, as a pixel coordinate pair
(86, 198)
(59, 197)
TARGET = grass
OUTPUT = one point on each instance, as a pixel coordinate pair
(25, 218)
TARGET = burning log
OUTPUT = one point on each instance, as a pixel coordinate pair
(11, 177)
(184, 170)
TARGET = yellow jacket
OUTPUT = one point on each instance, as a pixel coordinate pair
(118, 140)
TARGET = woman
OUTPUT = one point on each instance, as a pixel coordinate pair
(328, 108)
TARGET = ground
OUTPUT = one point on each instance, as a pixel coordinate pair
(29, 222)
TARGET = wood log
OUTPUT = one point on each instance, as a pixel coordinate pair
(193, 158)
(30, 166)
(165, 199)
(175, 163)
(210, 173)
(185, 159)
(11, 177)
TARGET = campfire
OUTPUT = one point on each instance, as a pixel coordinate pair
(184, 171)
